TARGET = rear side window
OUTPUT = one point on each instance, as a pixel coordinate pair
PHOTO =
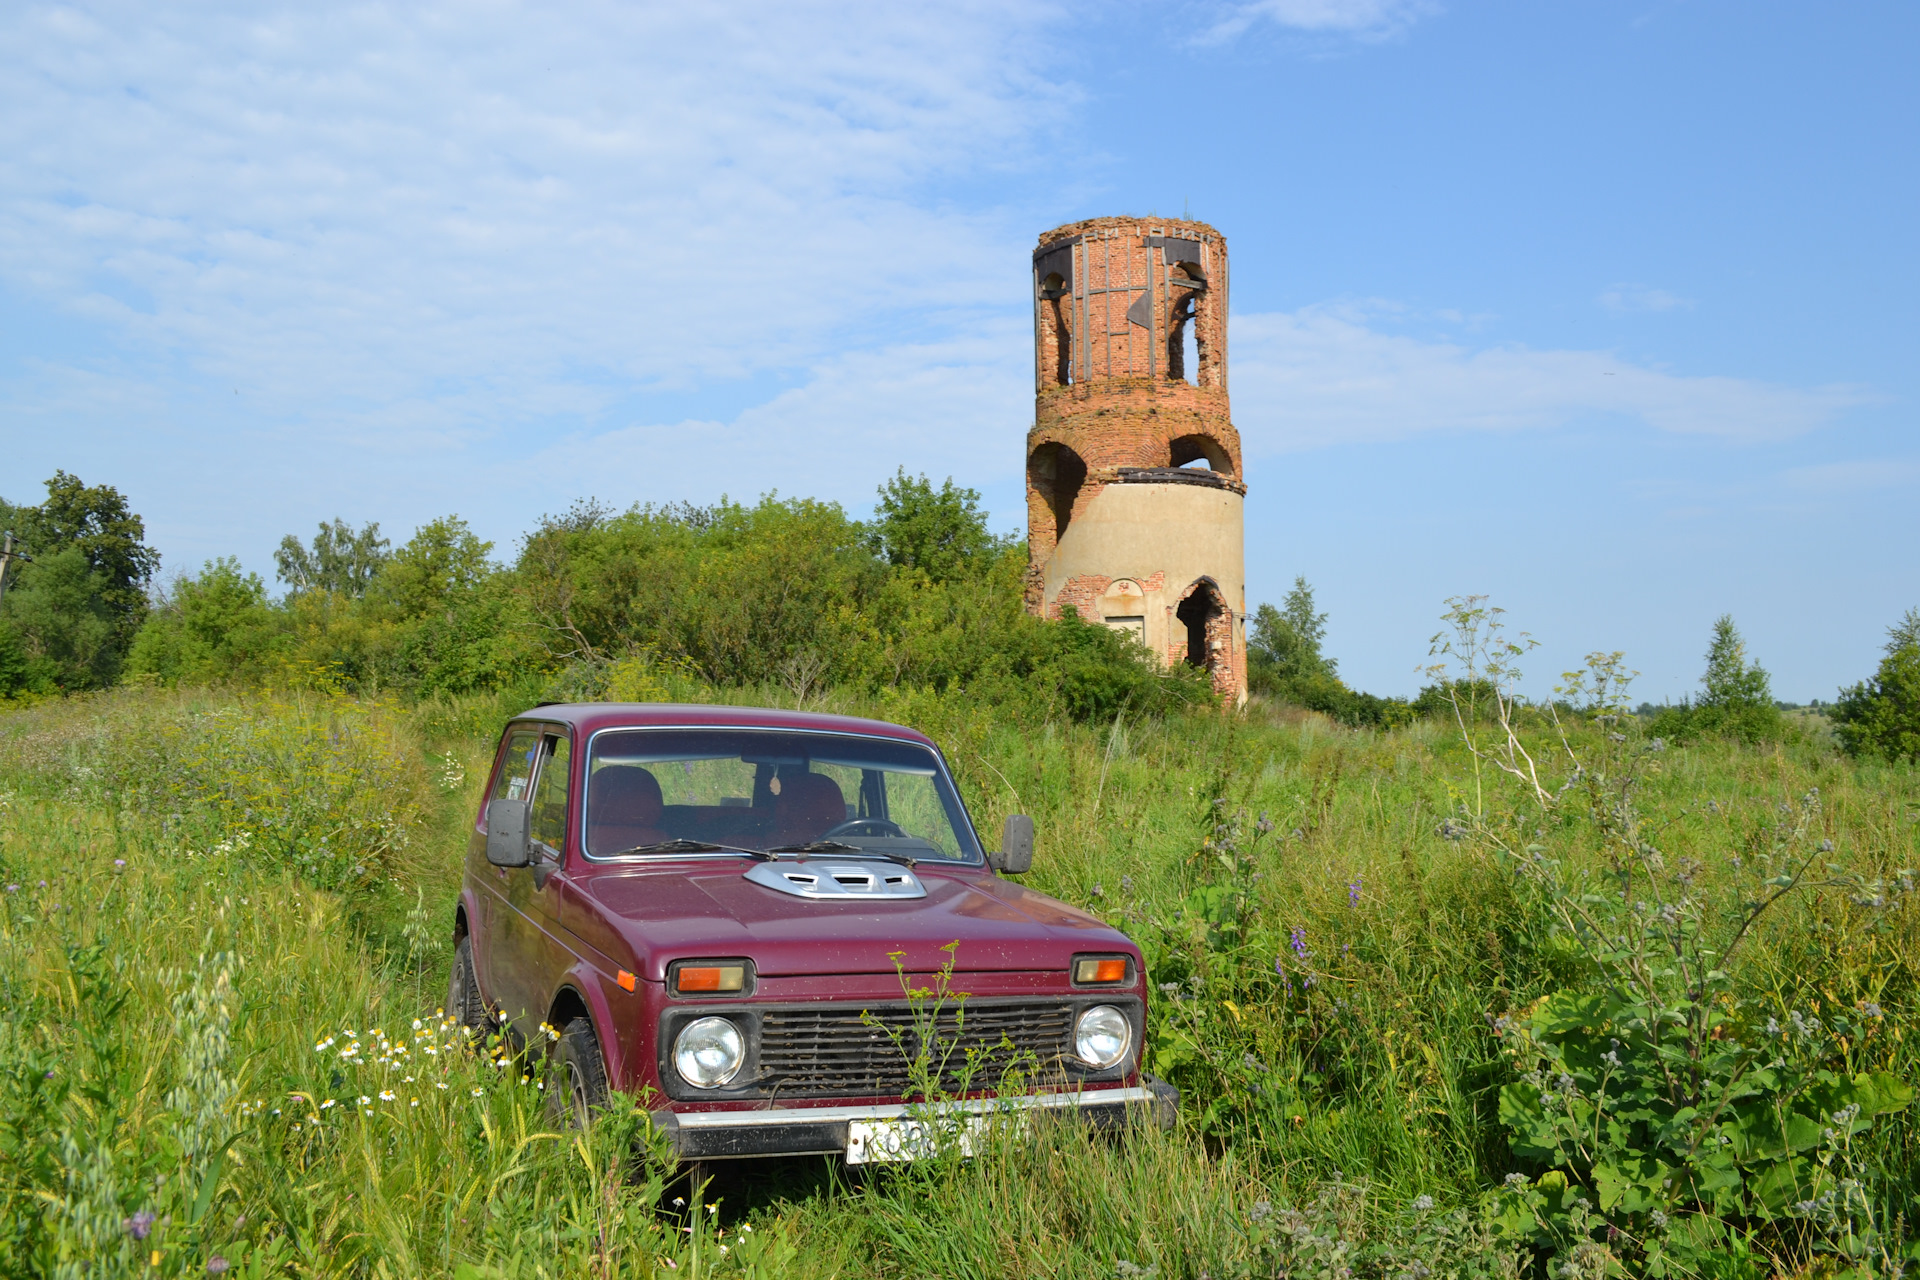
(516, 768)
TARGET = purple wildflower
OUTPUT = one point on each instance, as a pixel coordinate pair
(140, 1225)
(1353, 892)
(1299, 943)
(119, 862)
(1280, 965)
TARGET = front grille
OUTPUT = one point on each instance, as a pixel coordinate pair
(851, 1052)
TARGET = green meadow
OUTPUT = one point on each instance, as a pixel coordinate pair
(1457, 985)
(1348, 930)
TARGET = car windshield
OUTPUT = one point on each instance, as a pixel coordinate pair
(807, 793)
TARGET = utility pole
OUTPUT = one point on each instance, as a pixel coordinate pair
(8, 554)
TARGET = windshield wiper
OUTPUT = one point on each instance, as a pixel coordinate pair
(841, 846)
(680, 844)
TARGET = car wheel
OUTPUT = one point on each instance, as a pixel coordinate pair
(580, 1075)
(463, 991)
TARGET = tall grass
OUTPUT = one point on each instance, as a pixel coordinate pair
(1327, 956)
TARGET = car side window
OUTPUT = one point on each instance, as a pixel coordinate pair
(516, 768)
(549, 818)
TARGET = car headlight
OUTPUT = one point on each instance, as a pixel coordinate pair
(1102, 1036)
(708, 1052)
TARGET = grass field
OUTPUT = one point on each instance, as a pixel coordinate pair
(211, 896)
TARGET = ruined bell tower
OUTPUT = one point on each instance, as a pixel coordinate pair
(1134, 482)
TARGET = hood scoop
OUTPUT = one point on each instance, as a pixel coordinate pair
(824, 878)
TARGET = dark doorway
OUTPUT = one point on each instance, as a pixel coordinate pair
(1201, 608)
(1057, 473)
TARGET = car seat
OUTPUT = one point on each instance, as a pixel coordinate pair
(623, 809)
(809, 805)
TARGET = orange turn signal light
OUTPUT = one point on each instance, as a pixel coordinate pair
(625, 980)
(1097, 969)
(709, 977)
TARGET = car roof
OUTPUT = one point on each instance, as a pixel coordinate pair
(590, 717)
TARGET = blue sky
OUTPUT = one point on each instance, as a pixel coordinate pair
(1605, 309)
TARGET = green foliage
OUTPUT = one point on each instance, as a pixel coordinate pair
(1736, 697)
(15, 670)
(321, 786)
(211, 628)
(1284, 661)
(941, 532)
(340, 560)
(1098, 673)
(60, 615)
(1660, 1087)
(77, 605)
(1340, 1233)
(1342, 856)
(1676, 1109)
(1284, 643)
(1881, 717)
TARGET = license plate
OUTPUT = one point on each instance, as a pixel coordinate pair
(885, 1141)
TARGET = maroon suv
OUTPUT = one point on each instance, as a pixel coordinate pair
(715, 906)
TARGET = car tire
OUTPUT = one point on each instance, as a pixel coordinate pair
(579, 1077)
(464, 1002)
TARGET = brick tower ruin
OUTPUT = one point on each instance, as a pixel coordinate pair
(1134, 489)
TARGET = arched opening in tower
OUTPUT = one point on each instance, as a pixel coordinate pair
(1200, 448)
(1186, 350)
(1180, 338)
(1057, 316)
(1056, 473)
(1208, 625)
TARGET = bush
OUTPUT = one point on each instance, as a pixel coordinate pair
(1284, 661)
(1881, 717)
(1735, 701)
(212, 628)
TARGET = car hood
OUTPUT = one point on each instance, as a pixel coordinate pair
(669, 915)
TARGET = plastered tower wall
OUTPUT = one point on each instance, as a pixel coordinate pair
(1121, 523)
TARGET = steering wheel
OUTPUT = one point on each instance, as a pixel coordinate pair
(865, 827)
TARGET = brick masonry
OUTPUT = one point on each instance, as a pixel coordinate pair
(1114, 301)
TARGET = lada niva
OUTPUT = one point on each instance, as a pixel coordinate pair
(720, 910)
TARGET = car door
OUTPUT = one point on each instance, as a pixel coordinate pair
(532, 939)
(513, 774)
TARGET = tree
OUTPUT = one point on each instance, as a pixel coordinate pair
(941, 532)
(216, 626)
(1904, 632)
(1881, 716)
(340, 561)
(76, 608)
(1284, 644)
(15, 672)
(1736, 696)
(442, 561)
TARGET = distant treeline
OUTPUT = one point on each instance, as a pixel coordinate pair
(787, 592)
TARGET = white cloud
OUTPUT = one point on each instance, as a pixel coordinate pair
(1855, 477)
(1364, 18)
(1639, 297)
(466, 204)
(958, 407)
(1322, 376)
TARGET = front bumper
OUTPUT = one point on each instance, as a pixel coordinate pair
(800, 1131)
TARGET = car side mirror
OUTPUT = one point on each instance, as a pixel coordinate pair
(507, 844)
(1016, 846)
